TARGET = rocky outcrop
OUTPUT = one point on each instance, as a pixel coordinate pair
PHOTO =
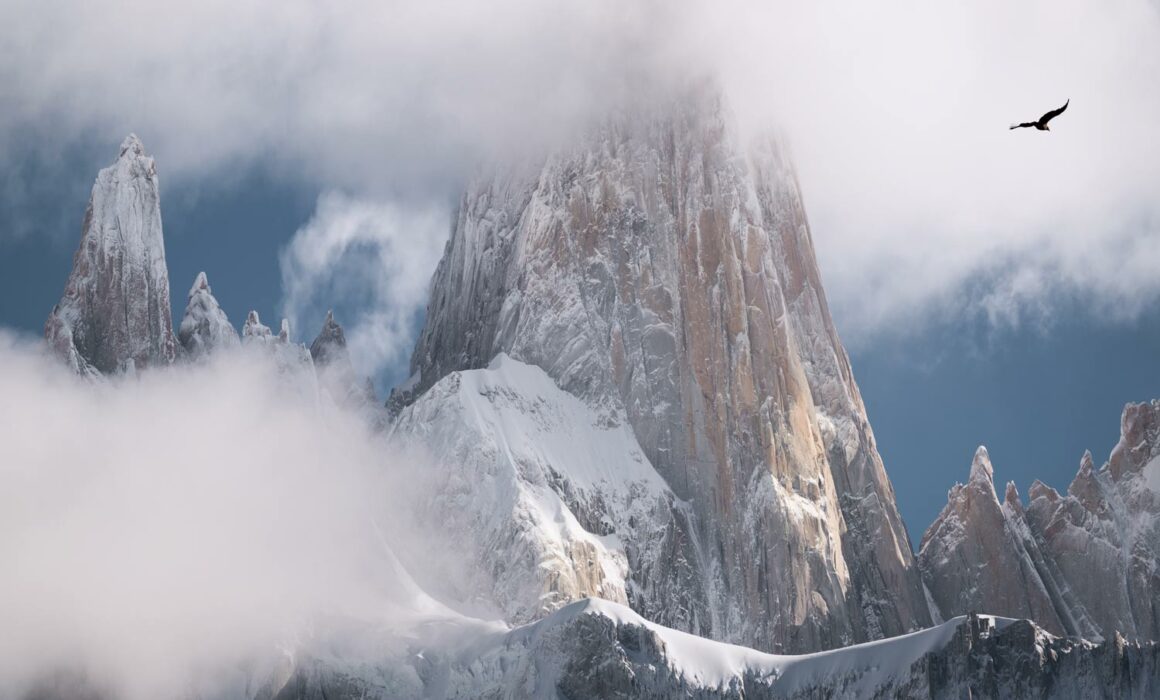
(975, 557)
(1086, 563)
(335, 371)
(663, 269)
(204, 327)
(115, 314)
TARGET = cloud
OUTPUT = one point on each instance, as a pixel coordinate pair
(371, 260)
(392, 95)
(925, 208)
(158, 531)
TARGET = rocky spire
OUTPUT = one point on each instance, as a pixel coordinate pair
(330, 344)
(115, 311)
(204, 327)
(1083, 563)
(978, 556)
(254, 329)
(663, 268)
(336, 373)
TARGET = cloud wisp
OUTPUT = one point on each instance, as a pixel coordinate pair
(373, 259)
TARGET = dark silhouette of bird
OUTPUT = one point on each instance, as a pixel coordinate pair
(1041, 124)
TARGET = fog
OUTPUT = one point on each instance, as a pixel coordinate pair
(164, 530)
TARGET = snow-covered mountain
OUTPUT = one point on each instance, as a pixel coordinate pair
(1086, 563)
(114, 314)
(638, 426)
(661, 269)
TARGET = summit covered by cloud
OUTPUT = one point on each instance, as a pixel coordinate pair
(924, 206)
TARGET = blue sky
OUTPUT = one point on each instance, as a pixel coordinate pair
(1037, 395)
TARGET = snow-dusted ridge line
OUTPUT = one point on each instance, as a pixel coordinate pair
(597, 649)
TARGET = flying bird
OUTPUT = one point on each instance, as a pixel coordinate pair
(1042, 123)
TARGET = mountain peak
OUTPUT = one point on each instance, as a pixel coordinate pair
(132, 146)
(115, 310)
(204, 327)
(330, 343)
(1011, 496)
(254, 329)
(661, 267)
(201, 282)
(981, 470)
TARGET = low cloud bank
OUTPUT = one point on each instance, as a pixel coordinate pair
(159, 530)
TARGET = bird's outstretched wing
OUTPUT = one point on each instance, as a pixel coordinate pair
(1054, 113)
(1023, 125)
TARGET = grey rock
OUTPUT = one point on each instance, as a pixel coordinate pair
(115, 314)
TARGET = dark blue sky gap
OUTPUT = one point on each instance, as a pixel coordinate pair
(1037, 398)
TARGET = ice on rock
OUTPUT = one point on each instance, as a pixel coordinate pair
(292, 359)
(254, 330)
(204, 327)
(115, 311)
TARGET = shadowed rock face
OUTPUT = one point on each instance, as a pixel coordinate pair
(1094, 552)
(335, 371)
(115, 312)
(664, 270)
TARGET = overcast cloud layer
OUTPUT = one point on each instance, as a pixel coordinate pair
(924, 206)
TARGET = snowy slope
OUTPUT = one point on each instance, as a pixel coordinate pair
(544, 500)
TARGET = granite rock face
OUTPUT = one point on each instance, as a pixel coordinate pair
(115, 314)
(1086, 563)
(662, 269)
(977, 552)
